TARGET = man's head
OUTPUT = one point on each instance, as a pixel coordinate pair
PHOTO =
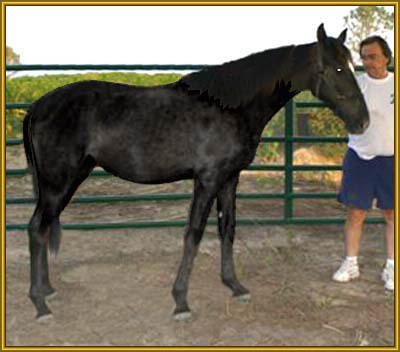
(376, 56)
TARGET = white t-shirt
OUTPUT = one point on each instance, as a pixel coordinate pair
(378, 138)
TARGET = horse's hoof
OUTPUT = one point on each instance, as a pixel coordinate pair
(182, 316)
(44, 318)
(245, 298)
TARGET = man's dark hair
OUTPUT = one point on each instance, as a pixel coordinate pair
(382, 43)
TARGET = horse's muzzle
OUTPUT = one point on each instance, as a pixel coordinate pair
(359, 129)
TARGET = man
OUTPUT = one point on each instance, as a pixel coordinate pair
(368, 167)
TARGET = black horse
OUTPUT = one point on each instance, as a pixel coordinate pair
(205, 127)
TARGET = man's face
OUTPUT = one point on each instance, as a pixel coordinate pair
(374, 61)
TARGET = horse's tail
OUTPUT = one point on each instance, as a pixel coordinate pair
(28, 146)
(55, 228)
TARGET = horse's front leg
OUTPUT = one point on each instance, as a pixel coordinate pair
(226, 203)
(200, 209)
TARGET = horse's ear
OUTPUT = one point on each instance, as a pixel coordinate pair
(342, 36)
(321, 34)
(322, 38)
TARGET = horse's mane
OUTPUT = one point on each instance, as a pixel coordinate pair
(236, 83)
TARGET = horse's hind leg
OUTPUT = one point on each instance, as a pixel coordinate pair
(226, 203)
(40, 229)
(54, 236)
(45, 230)
(200, 209)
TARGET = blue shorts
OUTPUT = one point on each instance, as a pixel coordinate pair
(364, 180)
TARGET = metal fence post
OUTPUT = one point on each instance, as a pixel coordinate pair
(289, 118)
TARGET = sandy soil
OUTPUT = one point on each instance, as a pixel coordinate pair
(114, 285)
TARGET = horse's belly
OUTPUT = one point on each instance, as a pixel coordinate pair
(150, 176)
(148, 169)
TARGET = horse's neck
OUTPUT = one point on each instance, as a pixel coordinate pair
(304, 64)
(297, 78)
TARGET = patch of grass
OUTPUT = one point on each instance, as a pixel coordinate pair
(361, 338)
(389, 299)
(325, 302)
(241, 269)
(270, 181)
(291, 236)
(269, 259)
(286, 287)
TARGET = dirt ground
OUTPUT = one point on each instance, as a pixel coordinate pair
(114, 286)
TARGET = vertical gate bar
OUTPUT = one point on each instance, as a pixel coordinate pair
(289, 118)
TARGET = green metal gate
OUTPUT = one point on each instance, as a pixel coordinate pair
(288, 168)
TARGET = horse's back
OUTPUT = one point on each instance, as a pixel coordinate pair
(85, 107)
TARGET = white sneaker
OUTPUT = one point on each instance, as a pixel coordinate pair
(388, 277)
(347, 271)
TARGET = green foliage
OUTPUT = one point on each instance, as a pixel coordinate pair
(323, 123)
(28, 89)
(271, 152)
(365, 21)
(11, 56)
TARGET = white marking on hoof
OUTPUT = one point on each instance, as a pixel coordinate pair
(182, 316)
(220, 214)
(244, 298)
(44, 318)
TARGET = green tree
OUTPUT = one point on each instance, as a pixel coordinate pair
(11, 57)
(365, 21)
